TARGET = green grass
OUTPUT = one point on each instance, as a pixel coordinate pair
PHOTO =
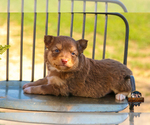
(137, 5)
(132, 6)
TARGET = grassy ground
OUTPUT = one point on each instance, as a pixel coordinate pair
(132, 6)
(139, 40)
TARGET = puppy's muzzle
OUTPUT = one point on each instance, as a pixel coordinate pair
(64, 61)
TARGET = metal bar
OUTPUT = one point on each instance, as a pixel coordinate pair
(126, 41)
(84, 18)
(8, 26)
(46, 32)
(6, 90)
(126, 32)
(59, 15)
(72, 17)
(34, 37)
(46, 23)
(20, 91)
(105, 31)
(21, 45)
(95, 28)
(110, 1)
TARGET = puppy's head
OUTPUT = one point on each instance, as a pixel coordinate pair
(63, 52)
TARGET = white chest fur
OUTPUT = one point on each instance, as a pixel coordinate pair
(54, 79)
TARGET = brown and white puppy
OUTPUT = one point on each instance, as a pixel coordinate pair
(70, 72)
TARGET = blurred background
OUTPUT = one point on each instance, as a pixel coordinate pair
(138, 17)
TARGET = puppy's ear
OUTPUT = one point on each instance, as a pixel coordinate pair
(82, 44)
(48, 40)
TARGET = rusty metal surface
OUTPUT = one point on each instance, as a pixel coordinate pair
(12, 96)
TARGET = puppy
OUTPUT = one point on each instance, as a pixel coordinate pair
(70, 72)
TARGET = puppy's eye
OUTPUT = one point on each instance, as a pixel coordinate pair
(57, 51)
(73, 53)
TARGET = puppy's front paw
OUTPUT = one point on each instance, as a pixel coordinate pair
(25, 86)
(120, 97)
(27, 90)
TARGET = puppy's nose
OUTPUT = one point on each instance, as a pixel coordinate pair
(64, 61)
